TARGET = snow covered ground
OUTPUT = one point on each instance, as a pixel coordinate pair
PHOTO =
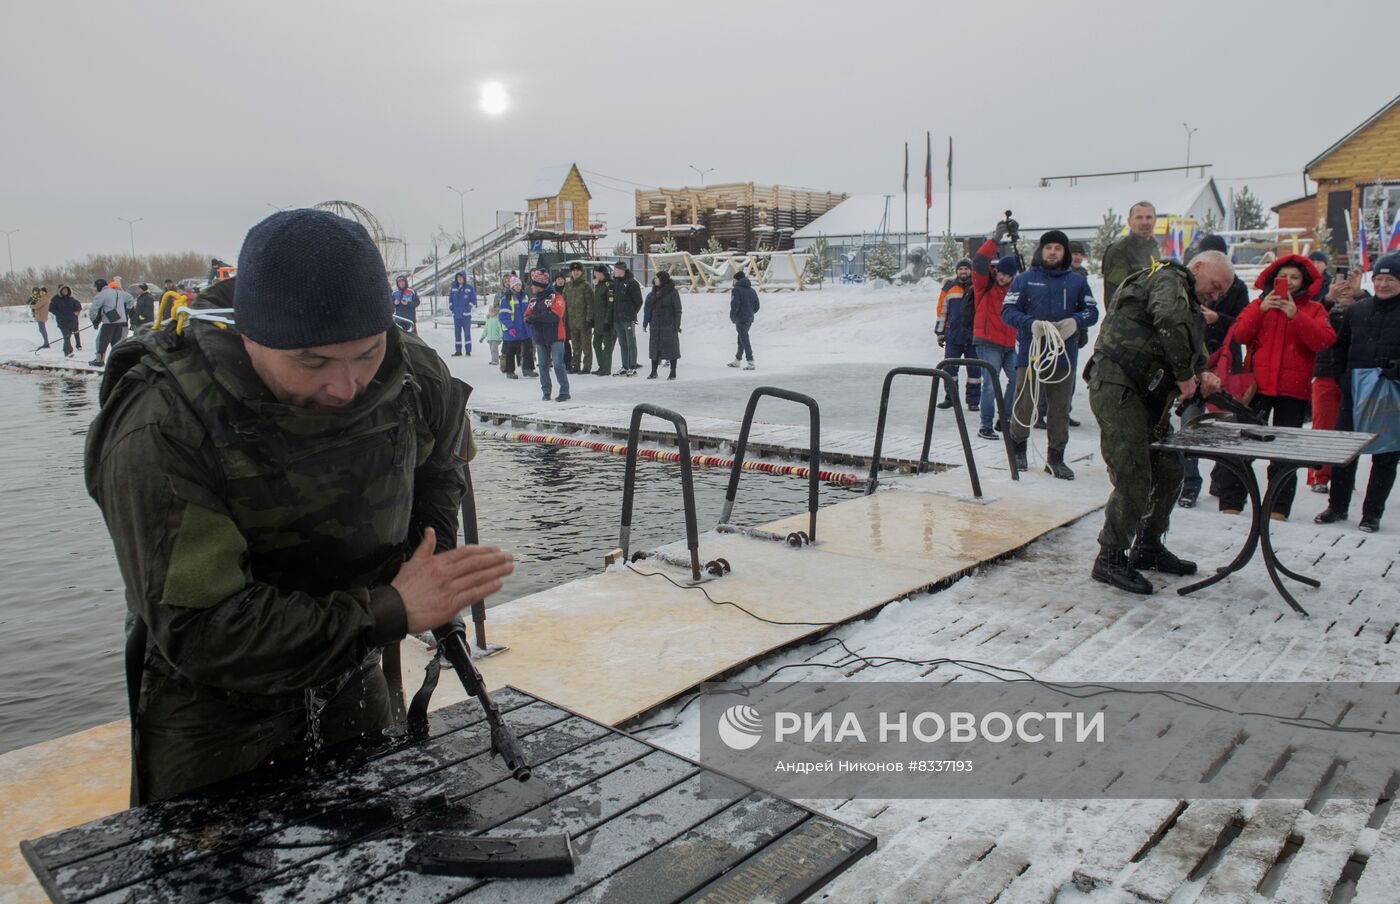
(1039, 612)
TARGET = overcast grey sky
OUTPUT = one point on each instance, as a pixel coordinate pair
(195, 116)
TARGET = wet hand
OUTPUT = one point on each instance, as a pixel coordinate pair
(1210, 383)
(434, 587)
(1186, 388)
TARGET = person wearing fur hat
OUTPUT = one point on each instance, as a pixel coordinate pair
(1369, 344)
(1284, 332)
(282, 494)
(1048, 296)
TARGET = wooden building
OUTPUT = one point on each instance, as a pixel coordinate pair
(741, 216)
(559, 199)
(1358, 173)
(1300, 213)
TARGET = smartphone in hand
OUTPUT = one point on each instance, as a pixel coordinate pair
(1281, 286)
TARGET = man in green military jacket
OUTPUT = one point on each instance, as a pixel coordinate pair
(1134, 251)
(600, 320)
(281, 482)
(578, 299)
(1150, 351)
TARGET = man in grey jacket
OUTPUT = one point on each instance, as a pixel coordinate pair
(108, 312)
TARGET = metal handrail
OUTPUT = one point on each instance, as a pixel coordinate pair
(692, 534)
(952, 384)
(813, 452)
(1003, 416)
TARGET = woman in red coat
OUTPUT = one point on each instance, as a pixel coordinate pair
(1284, 333)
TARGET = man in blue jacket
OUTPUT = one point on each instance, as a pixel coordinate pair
(461, 298)
(406, 305)
(1048, 302)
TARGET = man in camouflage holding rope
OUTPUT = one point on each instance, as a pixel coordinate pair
(1150, 352)
(281, 479)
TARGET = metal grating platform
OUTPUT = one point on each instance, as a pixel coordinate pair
(646, 825)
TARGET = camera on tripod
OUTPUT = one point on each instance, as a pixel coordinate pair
(1013, 229)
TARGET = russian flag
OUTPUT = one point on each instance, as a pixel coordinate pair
(1394, 242)
(1361, 232)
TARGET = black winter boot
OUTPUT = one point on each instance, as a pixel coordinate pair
(1056, 466)
(1020, 449)
(1329, 515)
(1151, 554)
(1111, 567)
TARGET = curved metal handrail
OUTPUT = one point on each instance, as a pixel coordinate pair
(1003, 416)
(951, 382)
(692, 534)
(813, 452)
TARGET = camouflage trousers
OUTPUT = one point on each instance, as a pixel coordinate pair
(190, 736)
(1145, 483)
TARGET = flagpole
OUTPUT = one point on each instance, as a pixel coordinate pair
(950, 184)
(906, 204)
(928, 186)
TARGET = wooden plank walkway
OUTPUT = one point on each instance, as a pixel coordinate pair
(846, 447)
(646, 825)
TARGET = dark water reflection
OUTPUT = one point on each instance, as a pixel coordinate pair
(61, 606)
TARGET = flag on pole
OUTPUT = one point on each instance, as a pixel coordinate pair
(928, 174)
(950, 161)
(1393, 243)
(1361, 232)
(906, 167)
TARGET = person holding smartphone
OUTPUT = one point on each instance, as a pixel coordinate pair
(1284, 330)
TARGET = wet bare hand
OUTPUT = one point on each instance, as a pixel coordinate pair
(436, 586)
(1186, 388)
(1210, 383)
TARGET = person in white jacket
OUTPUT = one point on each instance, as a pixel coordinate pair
(109, 311)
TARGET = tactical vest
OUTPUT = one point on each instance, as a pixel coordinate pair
(323, 499)
(1129, 350)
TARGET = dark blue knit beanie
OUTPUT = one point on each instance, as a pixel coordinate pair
(308, 278)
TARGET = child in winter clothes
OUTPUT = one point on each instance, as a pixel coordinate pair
(491, 335)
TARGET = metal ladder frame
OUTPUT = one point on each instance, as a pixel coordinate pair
(951, 382)
(813, 454)
(692, 533)
(1003, 416)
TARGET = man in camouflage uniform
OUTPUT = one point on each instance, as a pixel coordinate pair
(1131, 253)
(578, 298)
(1150, 351)
(282, 490)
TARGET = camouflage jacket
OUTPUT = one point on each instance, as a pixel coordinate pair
(257, 539)
(578, 296)
(1154, 333)
(1123, 257)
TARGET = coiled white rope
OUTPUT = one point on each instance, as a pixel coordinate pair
(1047, 345)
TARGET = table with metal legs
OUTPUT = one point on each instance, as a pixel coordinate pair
(1236, 446)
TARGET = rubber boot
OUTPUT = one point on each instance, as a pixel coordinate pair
(1111, 567)
(1151, 554)
(1020, 450)
(1056, 466)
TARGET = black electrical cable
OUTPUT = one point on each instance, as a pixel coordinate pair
(982, 668)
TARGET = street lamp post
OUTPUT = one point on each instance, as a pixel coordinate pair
(131, 230)
(462, 211)
(10, 250)
(1189, 132)
(702, 173)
